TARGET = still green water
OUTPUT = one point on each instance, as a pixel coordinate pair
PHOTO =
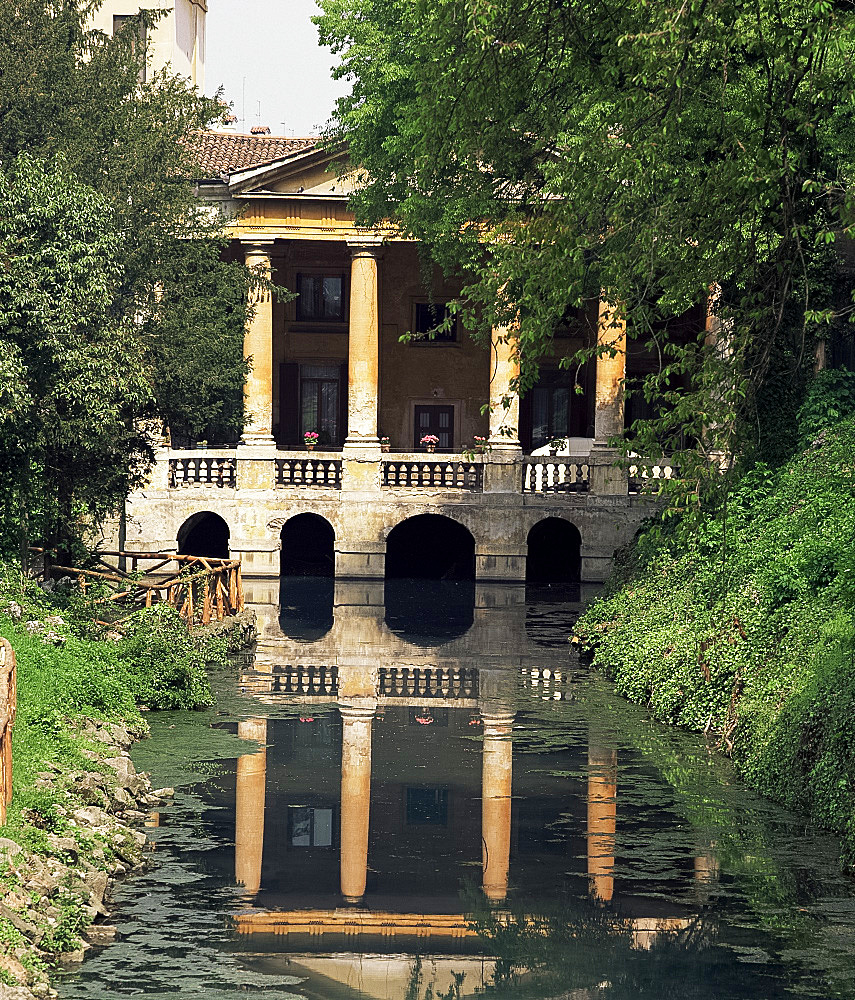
(437, 799)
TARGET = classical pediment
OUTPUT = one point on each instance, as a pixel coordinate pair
(313, 172)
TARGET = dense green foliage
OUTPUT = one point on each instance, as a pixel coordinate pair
(546, 150)
(69, 668)
(740, 621)
(101, 238)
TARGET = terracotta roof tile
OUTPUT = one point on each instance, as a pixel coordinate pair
(224, 152)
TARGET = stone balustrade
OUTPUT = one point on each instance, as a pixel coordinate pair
(555, 474)
(536, 475)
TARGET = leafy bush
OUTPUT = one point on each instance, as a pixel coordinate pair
(740, 621)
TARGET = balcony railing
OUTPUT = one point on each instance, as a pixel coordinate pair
(309, 470)
(555, 474)
(203, 470)
(647, 477)
(420, 472)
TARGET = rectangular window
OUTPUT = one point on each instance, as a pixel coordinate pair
(310, 827)
(428, 316)
(435, 420)
(138, 42)
(320, 298)
(320, 388)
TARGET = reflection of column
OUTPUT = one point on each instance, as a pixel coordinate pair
(249, 806)
(602, 820)
(504, 402)
(258, 345)
(363, 347)
(496, 782)
(355, 797)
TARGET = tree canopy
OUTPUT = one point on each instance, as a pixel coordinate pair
(548, 149)
(114, 289)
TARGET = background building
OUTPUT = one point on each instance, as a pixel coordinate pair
(178, 39)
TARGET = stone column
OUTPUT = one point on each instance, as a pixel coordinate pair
(249, 806)
(496, 782)
(504, 401)
(503, 466)
(605, 478)
(258, 345)
(355, 797)
(363, 347)
(602, 820)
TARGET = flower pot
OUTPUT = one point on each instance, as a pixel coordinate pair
(310, 447)
(431, 448)
(385, 448)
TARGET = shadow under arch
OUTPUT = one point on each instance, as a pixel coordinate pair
(308, 546)
(430, 580)
(204, 534)
(307, 577)
(554, 553)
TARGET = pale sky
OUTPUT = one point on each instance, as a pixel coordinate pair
(266, 52)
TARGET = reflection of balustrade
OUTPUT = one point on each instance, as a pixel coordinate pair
(421, 473)
(552, 474)
(428, 682)
(308, 470)
(648, 477)
(202, 471)
(305, 679)
(549, 685)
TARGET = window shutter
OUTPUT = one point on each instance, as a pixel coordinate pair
(525, 423)
(289, 404)
(342, 404)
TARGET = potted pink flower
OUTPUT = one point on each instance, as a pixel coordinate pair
(385, 445)
(482, 445)
(311, 439)
(429, 442)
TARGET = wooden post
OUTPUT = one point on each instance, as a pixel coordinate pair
(8, 705)
(232, 589)
(239, 590)
(148, 598)
(207, 603)
(220, 589)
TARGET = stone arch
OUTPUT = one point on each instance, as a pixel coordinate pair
(554, 552)
(204, 534)
(308, 546)
(431, 547)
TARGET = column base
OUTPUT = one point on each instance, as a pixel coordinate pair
(258, 440)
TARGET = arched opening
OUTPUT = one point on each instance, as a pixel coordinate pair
(204, 534)
(430, 580)
(308, 546)
(430, 547)
(554, 552)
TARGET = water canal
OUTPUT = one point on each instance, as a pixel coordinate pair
(437, 799)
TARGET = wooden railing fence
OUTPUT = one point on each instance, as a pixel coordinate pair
(202, 588)
(8, 707)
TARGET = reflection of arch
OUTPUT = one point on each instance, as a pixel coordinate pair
(306, 607)
(204, 534)
(308, 546)
(554, 552)
(429, 612)
(430, 547)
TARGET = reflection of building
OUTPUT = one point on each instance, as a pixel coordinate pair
(333, 362)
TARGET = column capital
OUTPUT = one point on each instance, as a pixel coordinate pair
(258, 244)
(498, 723)
(366, 246)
